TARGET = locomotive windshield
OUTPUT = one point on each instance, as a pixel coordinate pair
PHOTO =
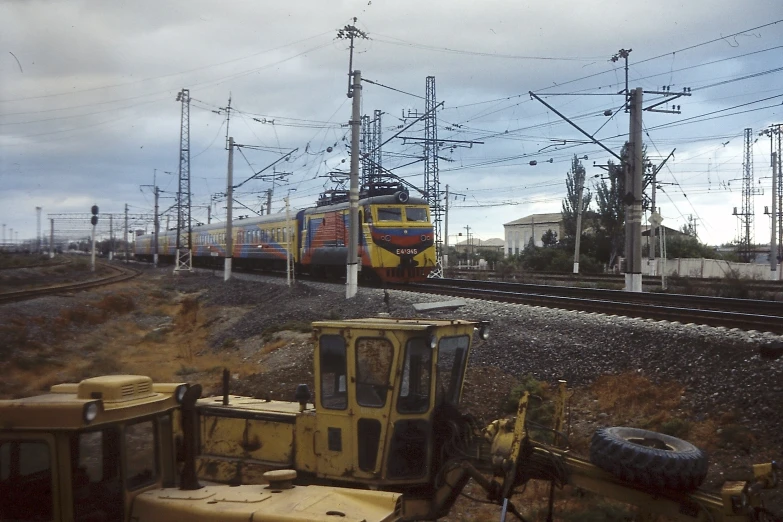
(416, 214)
(389, 214)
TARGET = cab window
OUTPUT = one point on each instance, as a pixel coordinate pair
(389, 214)
(416, 214)
(415, 388)
(452, 355)
(333, 362)
(25, 480)
(141, 466)
(95, 475)
(373, 366)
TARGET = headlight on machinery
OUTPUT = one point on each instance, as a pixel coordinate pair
(90, 411)
(179, 392)
(483, 331)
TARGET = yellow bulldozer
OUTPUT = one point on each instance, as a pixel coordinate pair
(381, 437)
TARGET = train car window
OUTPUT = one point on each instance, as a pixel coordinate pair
(25, 481)
(389, 214)
(140, 455)
(452, 352)
(417, 214)
(334, 367)
(415, 388)
(373, 367)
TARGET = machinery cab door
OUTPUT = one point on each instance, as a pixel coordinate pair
(333, 441)
(374, 358)
(29, 477)
(409, 438)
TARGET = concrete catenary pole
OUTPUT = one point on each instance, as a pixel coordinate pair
(51, 239)
(38, 230)
(157, 228)
(288, 242)
(352, 264)
(579, 173)
(446, 233)
(229, 211)
(633, 214)
(268, 201)
(773, 244)
(127, 243)
(2, 245)
(111, 236)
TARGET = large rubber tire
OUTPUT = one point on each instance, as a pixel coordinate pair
(649, 459)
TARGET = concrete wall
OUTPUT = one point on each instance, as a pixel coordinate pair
(704, 268)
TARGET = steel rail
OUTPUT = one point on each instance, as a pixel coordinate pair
(631, 305)
(121, 274)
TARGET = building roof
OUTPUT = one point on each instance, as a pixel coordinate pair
(543, 219)
(493, 242)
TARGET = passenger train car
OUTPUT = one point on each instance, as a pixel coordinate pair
(396, 239)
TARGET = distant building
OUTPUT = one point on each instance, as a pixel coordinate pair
(519, 232)
(477, 244)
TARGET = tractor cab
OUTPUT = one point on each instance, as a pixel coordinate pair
(84, 451)
(378, 385)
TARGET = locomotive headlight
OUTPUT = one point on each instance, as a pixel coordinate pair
(433, 342)
(90, 411)
(179, 392)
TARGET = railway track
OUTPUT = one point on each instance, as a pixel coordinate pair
(119, 274)
(744, 314)
(651, 282)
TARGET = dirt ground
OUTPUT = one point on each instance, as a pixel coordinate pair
(189, 328)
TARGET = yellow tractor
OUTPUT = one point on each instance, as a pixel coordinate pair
(385, 415)
(381, 438)
(105, 450)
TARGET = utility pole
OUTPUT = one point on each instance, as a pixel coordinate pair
(773, 247)
(351, 32)
(352, 265)
(288, 242)
(579, 173)
(2, 246)
(127, 250)
(51, 239)
(157, 226)
(229, 211)
(111, 236)
(467, 244)
(623, 53)
(38, 228)
(634, 170)
(431, 171)
(446, 231)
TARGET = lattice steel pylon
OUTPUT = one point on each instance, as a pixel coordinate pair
(184, 225)
(431, 176)
(377, 162)
(748, 191)
(366, 152)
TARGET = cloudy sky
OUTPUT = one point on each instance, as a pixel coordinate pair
(88, 110)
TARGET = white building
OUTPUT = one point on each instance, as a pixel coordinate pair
(519, 231)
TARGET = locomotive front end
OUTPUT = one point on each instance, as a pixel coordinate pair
(402, 241)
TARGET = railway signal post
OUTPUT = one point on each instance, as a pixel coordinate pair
(94, 221)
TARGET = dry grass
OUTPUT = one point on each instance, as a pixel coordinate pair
(634, 400)
(272, 346)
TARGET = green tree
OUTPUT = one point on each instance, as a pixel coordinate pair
(574, 178)
(549, 238)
